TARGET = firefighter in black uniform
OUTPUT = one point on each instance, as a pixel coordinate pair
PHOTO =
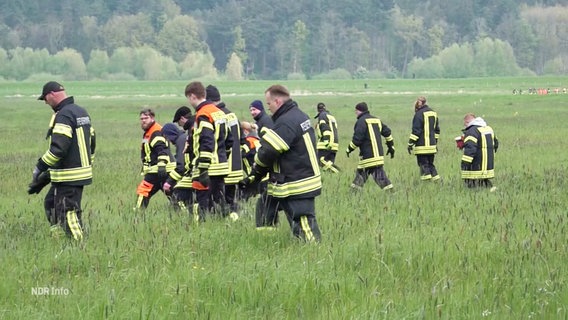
(183, 190)
(367, 137)
(480, 146)
(328, 138)
(210, 165)
(288, 154)
(179, 197)
(157, 159)
(423, 139)
(68, 159)
(235, 139)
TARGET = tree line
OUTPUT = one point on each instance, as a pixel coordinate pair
(260, 39)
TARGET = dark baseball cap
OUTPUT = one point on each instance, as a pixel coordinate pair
(181, 112)
(51, 86)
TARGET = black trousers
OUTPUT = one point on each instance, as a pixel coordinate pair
(300, 214)
(326, 160)
(49, 206)
(231, 197)
(427, 169)
(182, 198)
(478, 183)
(68, 209)
(378, 173)
(212, 200)
(149, 186)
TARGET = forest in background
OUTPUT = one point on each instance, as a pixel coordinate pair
(259, 39)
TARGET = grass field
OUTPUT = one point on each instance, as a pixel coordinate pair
(425, 251)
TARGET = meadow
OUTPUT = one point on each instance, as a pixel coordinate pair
(425, 251)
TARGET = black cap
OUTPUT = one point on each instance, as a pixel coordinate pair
(51, 86)
(212, 93)
(362, 106)
(181, 112)
(320, 107)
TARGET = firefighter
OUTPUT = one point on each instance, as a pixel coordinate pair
(183, 190)
(479, 148)
(210, 166)
(367, 137)
(261, 118)
(235, 139)
(288, 155)
(157, 160)
(180, 197)
(69, 158)
(326, 132)
(423, 139)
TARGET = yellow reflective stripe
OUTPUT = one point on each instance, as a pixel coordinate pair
(389, 138)
(352, 145)
(74, 225)
(156, 140)
(370, 162)
(73, 174)
(257, 161)
(304, 224)
(467, 159)
(49, 158)
(311, 153)
(205, 124)
(373, 137)
(164, 158)
(295, 187)
(185, 182)
(218, 169)
(425, 149)
(470, 138)
(83, 152)
(147, 152)
(478, 174)
(413, 137)
(174, 175)
(63, 129)
(234, 177)
(272, 138)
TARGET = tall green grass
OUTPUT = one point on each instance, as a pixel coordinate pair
(424, 251)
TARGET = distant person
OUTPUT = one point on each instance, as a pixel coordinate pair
(68, 160)
(261, 118)
(424, 138)
(288, 155)
(157, 160)
(367, 137)
(180, 195)
(328, 138)
(233, 142)
(183, 189)
(480, 146)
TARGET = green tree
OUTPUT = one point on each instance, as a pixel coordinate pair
(457, 61)
(234, 69)
(198, 65)
(73, 65)
(300, 33)
(179, 36)
(128, 31)
(98, 64)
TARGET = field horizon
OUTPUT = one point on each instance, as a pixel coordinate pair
(424, 251)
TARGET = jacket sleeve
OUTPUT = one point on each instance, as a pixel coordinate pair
(470, 146)
(274, 142)
(386, 132)
(61, 138)
(417, 128)
(359, 135)
(324, 128)
(159, 145)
